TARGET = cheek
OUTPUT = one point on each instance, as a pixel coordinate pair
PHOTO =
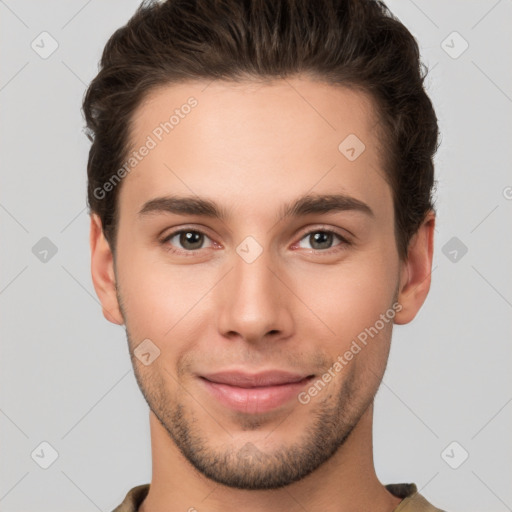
(353, 292)
(347, 301)
(159, 299)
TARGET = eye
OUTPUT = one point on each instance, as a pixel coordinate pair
(188, 242)
(189, 239)
(322, 239)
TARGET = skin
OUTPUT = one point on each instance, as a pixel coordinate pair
(252, 148)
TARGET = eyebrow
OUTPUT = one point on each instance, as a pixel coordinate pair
(305, 205)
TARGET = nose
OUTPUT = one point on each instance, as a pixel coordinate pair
(254, 304)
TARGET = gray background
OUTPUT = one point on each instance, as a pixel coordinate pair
(66, 377)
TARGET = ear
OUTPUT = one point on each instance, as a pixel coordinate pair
(415, 272)
(102, 270)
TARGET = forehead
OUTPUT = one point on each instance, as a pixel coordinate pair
(238, 140)
(304, 107)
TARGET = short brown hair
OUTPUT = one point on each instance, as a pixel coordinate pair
(353, 43)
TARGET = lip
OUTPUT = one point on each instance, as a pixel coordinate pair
(254, 393)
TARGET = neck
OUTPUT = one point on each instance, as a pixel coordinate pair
(346, 482)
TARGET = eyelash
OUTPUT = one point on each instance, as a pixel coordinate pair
(344, 243)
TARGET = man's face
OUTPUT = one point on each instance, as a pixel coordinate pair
(256, 290)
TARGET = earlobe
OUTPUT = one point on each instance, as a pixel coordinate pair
(415, 273)
(102, 271)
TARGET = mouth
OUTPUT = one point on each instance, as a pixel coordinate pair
(256, 393)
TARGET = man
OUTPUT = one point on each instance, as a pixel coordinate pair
(260, 187)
